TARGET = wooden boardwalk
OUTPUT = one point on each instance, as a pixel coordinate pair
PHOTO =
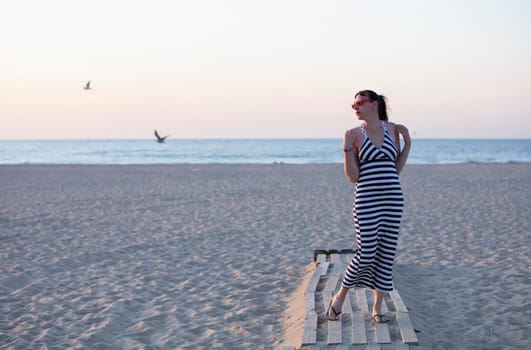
(355, 330)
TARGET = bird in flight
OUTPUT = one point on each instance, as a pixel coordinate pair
(87, 86)
(160, 139)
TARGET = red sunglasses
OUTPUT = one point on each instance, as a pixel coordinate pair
(360, 103)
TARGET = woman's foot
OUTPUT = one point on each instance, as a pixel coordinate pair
(334, 309)
(379, 318)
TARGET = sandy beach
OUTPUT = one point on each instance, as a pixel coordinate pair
(211, 256)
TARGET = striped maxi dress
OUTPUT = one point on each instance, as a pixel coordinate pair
(378, 208)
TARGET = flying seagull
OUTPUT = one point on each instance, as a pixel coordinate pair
(160, 139)
(87, 86)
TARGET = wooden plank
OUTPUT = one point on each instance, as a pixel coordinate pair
(361, 298)
(337, 347)
(381, 330)
(324, 268)
(331, 284)
(381, 333)
(334, 327)
(347, 307)
(385, 311)
(335, 271)
(359, 333)
(384, 308)
(309, 335)
(402, 347)
(407, 332)
(321, 258)
(333, 279)
(334, 332)
(314, 281)
(400, 306)
(327, 296)
(310, 303)
(373, 347)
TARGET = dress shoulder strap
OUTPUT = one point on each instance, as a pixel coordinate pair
(384, 126)
(363, 131)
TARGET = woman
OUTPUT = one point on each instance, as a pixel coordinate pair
(373, 160)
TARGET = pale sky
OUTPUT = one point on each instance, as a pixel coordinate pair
(262, 69)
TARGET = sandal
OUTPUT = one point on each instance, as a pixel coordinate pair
(379, 319)
(331, 310)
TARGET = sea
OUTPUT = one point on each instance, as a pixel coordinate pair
(249, 151)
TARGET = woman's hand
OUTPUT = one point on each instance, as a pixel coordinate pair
(402, 130)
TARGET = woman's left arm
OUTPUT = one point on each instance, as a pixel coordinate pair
(402, 153)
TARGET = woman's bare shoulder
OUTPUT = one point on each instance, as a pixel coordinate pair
(357, 135)
(392, 127)
(356, 130)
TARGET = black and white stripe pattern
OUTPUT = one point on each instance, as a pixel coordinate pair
(377, 212)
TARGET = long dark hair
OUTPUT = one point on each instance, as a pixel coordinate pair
(373, 96)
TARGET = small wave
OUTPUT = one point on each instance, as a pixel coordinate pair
(316, 151)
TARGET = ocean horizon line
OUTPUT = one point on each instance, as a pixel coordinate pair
(470, 162)
(261, 139)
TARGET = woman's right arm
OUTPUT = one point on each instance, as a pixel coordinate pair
(403, 154)
(351, 163)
